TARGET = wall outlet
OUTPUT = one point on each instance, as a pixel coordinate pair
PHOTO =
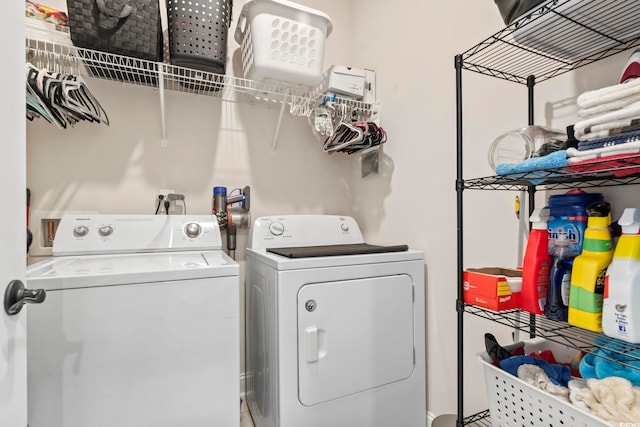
(174, 208)
(43, 226)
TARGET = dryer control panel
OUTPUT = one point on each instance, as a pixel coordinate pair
(79, 234)
(303, 230)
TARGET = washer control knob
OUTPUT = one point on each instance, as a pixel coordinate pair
(80, 231)
(105, 231)
(192, 230)
(344, 227)
(276, 228)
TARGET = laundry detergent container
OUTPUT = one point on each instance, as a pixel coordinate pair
(282, 41)
(568, 216)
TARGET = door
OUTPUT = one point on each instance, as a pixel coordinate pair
(13, 358)
(354, 335)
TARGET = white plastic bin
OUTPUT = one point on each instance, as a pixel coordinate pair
(514, 403)
(282, 41)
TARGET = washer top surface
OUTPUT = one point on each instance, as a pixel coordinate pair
(313, 230)
(84, 271)
(104, 250)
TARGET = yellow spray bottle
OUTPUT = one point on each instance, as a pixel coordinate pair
(590, 268)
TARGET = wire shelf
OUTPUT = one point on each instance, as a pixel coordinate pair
(601, 173)
(556, 37)
(481, 419)
(95, 64)
(561, 333)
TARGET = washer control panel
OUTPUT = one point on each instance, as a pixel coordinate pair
(79, 234)
(303, 230)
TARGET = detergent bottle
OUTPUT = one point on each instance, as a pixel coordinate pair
(590, 269)
(557, 303)
(535, 268)
(621, 306)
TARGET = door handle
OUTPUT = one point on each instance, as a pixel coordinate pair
(16, 295)
(312, 344)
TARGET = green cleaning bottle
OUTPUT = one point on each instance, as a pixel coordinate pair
(590, 268)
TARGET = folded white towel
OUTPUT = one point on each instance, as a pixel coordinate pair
(609, 94)
(575, 156)
(629, 112)
(608, 106)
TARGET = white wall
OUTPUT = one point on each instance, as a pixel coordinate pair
(411, 44)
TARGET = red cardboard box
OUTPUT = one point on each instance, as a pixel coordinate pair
(494, 288)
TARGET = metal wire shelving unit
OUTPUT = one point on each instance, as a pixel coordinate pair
(299, 101)
(561, 333)
(601, 173)
(552, 39)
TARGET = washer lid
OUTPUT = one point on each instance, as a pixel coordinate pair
(106, 270)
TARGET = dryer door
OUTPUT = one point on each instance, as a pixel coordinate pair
(354, 335)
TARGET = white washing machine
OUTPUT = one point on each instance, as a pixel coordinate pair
(139, 328)
(335, 327)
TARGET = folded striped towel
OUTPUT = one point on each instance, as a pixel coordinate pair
(574, 155)
(610, 140)
(610, 120)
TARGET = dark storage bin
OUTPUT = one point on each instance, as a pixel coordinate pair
(131, 28)
(123, 27)
(512, 9)
(198, 33)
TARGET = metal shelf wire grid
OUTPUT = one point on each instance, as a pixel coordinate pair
(556, 37)
(481, 419)
(91, 63)
(562, 333)
(601, 173)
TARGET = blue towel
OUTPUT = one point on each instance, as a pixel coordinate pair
(558, 374)
(556, 159)
(607, 361)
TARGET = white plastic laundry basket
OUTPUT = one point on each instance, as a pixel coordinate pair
(282, 41)
(514, 403)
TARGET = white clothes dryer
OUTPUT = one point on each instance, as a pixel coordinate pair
(335, 327)
(139, 328)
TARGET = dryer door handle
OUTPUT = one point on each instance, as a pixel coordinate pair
(312, 344)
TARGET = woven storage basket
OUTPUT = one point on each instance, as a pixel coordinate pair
(515, 403)
(198, 33)
(124, 27)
